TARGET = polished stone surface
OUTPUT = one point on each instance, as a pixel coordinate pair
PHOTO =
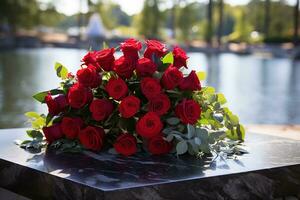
(271, 170)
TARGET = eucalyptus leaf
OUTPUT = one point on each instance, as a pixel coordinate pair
(197, 140)
(169, 138)
(173, 121)
(112, 151)
(218, 117)
(181, 147)
(191, 131)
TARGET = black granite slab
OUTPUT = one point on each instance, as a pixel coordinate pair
(270, 171)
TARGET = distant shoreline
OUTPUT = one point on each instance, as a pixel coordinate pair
(269, 50)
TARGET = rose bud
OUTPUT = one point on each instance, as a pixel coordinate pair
(191, 82)
(53, 132)
(101, 109)
(56, 105)
(105, 59)
(149, 125)
(150, 87)
(92, 138)
(188, 111)
(180, 57)
(171, 78)
(116, 88)
(88, 77)
(145, 67)
(78, 96)
(123, 67)
(129, 106)
(126, 144)
(130, 49)
(159, 104)
(156, 48)
(158, 145)
(71, 126)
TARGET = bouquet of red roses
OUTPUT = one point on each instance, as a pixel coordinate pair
(137, 102)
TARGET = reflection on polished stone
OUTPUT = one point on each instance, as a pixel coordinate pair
(271, 170)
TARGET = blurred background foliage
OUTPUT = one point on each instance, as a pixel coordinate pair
(183, 20)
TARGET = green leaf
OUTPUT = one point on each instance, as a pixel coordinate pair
(234, 119)
(201, 75)
(32, 114)
(34, 134)
(61, 71)
(221, 98)
(105, 45)
(40, 96)
(38, 123)
(181, 147)
(173, 121)
(209, 90)
(168, 59)
(240, 132)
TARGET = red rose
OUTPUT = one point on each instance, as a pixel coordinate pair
(56, 105)
(105, 58)
(89, 77)
(180, 57)
(53, 132)
(116, 88)
(159, 104)
(155, 47)
(101, 109)
(191, 82)
(71, 126)
(145, 67)
(123, 67)
(92, 138)
(158, 145)
(79, 96)
(126, 144)
(129, 106)
(149, 125)
(130, 49)
(150, 87)
(188, 111)
(171, 78)
(90, 58)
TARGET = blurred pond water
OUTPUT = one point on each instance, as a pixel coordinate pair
(259, 90)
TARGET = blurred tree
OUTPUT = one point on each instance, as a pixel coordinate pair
(49, 16)
(267, 18)
(18, 13)
(257, 14)
(242, 27)
(209, 24)
(111, 13)
(186, 20)
(220, 27)
(296, 21)
(151, 19)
